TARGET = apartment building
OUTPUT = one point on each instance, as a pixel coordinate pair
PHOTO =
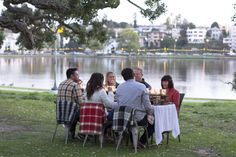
(196, 35)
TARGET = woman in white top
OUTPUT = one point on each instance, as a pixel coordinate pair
(96, 93)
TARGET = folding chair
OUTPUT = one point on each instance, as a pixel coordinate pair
(92, 118)
(123, 122)
(65, 112)
(66, 132)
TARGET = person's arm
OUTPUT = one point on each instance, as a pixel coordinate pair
(146, 102)
(78, 94)
(176, 100)
(107, 100)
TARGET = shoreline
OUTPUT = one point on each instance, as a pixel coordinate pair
(36, 90)
(164, 56)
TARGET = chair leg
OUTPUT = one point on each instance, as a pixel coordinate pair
(66, 134)
(167, 139)
(127, 138)
(119, 140)
(146, 136)
(101, 140)
(53, 136)
(85, 139)
(134, 131)
(179, 138)
(151, 139)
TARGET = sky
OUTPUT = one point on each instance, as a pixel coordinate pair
(200, 12)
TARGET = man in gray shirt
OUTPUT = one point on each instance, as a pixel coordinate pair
(135, 95)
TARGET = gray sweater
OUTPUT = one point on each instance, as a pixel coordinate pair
(135, 95)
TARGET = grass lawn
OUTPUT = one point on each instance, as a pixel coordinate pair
(27, 122)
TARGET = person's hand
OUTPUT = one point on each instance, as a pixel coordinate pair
(109, 89)
(79, 81)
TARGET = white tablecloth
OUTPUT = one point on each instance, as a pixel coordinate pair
(166, 119)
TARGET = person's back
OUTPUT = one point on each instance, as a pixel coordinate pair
(135, 95)
(69, 91)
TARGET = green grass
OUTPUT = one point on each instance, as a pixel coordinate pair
(207, 129)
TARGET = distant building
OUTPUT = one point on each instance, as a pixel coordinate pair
(197, 35)
(215, 33)
(175, 33)
(231, 40)
(150, 36)
(9, 43)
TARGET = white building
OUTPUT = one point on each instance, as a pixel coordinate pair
(197, 35)
(150, 36)
(231, 40)
(215, 33)
(9, 43)
(175, 33)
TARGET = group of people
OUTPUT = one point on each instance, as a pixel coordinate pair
(134, 92)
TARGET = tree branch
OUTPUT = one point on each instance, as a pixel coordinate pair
(136, 5)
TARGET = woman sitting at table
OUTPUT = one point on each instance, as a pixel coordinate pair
(96, 93)
(111, 80)
(172, 94)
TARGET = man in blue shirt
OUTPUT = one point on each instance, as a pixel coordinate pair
(135, 95)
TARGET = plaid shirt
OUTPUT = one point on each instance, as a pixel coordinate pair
(69, 91)
(122, 118)
(92, 117)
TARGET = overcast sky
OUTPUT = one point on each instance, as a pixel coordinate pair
(200, 12)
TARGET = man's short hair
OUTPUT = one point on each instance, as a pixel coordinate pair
(70, 72)
(127, 74)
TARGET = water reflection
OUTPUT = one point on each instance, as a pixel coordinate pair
(195, 77)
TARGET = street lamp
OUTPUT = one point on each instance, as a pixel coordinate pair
(175, 44)
(56, 47)
(55, 64)
(206, 47)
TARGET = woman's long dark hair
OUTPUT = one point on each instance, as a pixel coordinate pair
(169, 79)
(95, 83)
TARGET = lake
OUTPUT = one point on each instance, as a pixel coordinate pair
(198, 78)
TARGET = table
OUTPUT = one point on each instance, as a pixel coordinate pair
(166, 119)
(157, 98)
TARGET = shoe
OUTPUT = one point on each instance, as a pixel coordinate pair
(81, 136)
(141, 145)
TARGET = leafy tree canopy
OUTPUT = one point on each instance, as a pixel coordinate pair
(128, 39)
(1, 38)
(215, 24)
(31, 18)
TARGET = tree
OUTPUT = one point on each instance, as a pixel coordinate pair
(94, 44)
(224, 33)
(215, 24)
(31, 18)
(168, 23)
(191, 25)
(167, 42)
(208, 34)
(128, 39)
(1, 38)
(183, 40)
(234, 82)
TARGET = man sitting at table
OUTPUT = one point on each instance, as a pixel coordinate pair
(135, 95)
(172, 94)
(69, 93)
(138, 76)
